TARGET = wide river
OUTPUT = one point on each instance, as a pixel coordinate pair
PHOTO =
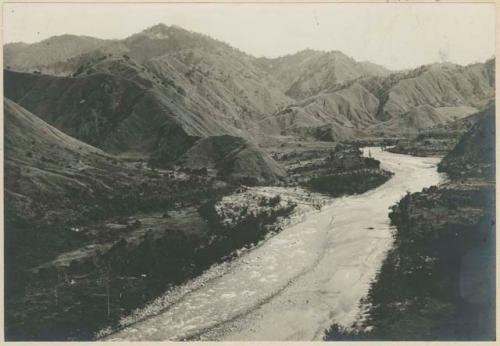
(303, 279)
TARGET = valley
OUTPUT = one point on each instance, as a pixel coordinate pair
(151, 181)
(325, 261)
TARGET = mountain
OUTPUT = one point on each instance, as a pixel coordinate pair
(170, 86)
(421, 118)
(344, 112)
(400, 103)
(440, 85)
(233, 158)
(190, 86)
(30, 57)
(112, 113)
(308, 72)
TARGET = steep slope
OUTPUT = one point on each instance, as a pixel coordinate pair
(218, 79)
(399, 104)
(73, 213)
(115, 114)
(474, 155)
(343, 113)
(308, 72)
(222, 83)
(209, 87)
(441, 85)
(29, 57)
(233, 158)
(421, 118)
(184, 56)
(48, 173)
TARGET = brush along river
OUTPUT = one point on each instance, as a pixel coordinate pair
(299, 282)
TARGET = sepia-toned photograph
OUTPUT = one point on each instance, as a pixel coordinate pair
(249, 171)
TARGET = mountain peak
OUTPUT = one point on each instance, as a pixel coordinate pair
(162, 31)
(158, 31)
(160, 27)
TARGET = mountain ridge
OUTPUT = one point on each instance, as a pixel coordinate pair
(203, 87)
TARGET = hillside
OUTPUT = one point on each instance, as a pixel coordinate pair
(112, 113)
(399, 104)
(48, 173)
(235, 159)
(308, 72)
(440, 139)
(420, 119)
(474, 154)
(193, 86)
(29, 57)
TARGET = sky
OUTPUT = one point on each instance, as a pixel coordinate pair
(397, 36)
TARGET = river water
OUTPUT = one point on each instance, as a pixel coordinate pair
(302, 280)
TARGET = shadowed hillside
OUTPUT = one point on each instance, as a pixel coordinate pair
(235, 159)
(474, 155)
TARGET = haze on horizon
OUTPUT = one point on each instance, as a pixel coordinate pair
(397, 36)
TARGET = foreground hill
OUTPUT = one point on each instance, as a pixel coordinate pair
(233, 158)
(474, 154)
(54, 179)
(48, 173)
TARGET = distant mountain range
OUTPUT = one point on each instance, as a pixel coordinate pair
(157, 92)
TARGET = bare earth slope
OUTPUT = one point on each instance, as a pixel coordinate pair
(308, 72)
(399, 104)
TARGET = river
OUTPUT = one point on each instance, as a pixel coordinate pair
(300, 281)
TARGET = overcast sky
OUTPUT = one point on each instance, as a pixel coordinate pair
(394, 35)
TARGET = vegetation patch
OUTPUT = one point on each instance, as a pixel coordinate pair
(349, 183)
